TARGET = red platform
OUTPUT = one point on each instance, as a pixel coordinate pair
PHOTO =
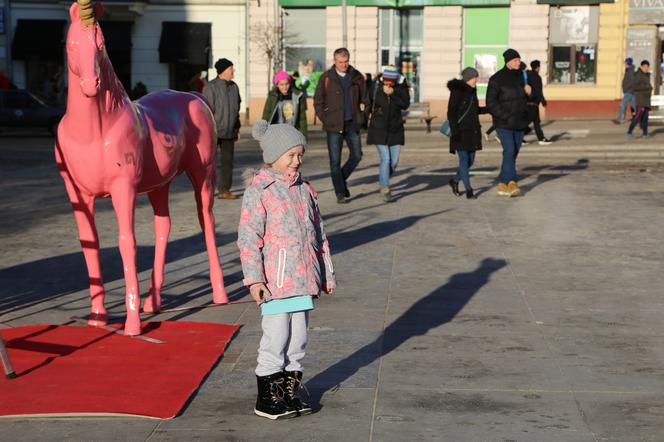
(68, 370)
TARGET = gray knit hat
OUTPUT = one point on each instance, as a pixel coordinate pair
(469, 73)
(275, 139)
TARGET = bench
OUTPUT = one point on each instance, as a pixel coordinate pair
(657, 106)
(419, 111)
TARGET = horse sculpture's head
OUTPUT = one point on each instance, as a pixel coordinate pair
(85, 45)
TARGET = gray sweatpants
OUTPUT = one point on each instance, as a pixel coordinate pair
(283, 343)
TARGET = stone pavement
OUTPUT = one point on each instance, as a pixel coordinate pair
(528, 319)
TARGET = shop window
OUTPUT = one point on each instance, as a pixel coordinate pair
(573, 64)
(401, 40)
(304, 43)
(573, 44)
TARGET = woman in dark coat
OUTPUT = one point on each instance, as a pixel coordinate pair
(389, 97)
(463, 112)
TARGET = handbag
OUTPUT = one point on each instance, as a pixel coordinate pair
(445, 128)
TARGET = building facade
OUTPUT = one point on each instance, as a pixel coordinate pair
(161, 44)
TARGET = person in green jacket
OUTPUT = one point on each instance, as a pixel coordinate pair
(286, 104)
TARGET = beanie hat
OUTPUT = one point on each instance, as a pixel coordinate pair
(629, 61)
(281, 75)
(510, 54)
(469, 73)
(534, 64)
(390, 74)
(222, 64)
(275, 139)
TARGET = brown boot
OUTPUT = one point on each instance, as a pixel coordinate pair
(226, 196)
(513, 189)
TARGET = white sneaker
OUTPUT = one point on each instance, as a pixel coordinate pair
(545, 142)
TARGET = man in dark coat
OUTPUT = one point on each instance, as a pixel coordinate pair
(535, 99)
(506, 100)
(628, 91)
(340, 101)
(223, 95)
(642, 93)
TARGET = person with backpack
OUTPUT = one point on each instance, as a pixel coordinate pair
(286, 104)
(463, 111)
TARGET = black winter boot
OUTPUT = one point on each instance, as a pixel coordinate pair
(455, 186)
(470, 194)
(272, 396)
(293, 383)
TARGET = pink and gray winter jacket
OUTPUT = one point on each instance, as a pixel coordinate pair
(281, 238)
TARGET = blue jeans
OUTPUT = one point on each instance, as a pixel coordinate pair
(466, 160)
(334, 143)
(511, 141)
(627, 98)
(389, 158)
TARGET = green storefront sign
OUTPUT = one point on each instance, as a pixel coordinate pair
(391, 3)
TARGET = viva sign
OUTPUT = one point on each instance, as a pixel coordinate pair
(646, 12)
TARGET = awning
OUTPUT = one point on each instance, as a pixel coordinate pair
(183, 42)
(117, 35)
(573, 2)
(39, 40)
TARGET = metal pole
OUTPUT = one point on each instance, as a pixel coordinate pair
(6, 363)
(344, 24)
(277, 36)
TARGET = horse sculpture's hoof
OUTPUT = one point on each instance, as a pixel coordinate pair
(151, 305)
(220, 297)
(98, 319)
(132, 328)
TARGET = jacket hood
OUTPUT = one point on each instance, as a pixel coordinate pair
(265, 176)
(457, 85)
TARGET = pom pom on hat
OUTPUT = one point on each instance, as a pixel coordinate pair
(276, 139)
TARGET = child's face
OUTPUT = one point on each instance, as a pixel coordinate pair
(290, 161)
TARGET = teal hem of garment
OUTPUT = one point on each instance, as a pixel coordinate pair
(287, 305)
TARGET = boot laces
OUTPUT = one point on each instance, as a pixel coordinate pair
(277, 391)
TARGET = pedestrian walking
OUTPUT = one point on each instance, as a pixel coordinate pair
(340, 102)
(389, 96)
(286, 262)
(223, 95)
(463, 114)
(286, 104)
(642, 93)
(628, 91)
(506, 100)
(535, 99)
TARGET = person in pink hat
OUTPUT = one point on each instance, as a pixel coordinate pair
(286, 104)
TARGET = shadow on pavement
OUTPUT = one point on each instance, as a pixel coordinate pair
(30, 284)
(435, 309)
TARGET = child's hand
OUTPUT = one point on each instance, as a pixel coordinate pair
(328, 288)
(257, 291)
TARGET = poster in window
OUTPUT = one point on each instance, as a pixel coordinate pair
(573, 25)
(486, 65)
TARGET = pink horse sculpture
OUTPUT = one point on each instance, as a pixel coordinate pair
(108, 145)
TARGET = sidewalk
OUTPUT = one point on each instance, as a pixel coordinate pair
(526, 319)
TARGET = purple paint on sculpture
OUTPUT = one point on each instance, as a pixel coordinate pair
(108, 145)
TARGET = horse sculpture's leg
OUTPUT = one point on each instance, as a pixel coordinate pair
(84, 212)
(123, 195)
(202, 180)
(162, 227)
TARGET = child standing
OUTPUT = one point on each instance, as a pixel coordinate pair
(286, 262)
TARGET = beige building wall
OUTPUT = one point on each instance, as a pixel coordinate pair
(441, 54)
(259, 69)
(613, 22)
(529, 32)
(362, 25)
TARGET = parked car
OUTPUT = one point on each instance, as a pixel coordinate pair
(20, 108)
